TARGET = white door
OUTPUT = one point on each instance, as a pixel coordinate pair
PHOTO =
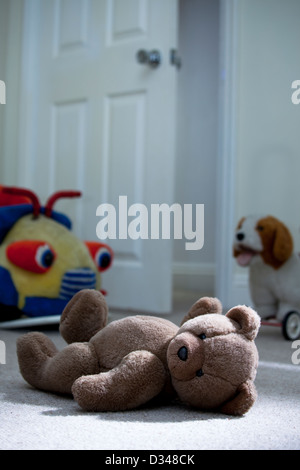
(94, 119)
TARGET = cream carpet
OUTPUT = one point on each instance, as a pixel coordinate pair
(30, 419)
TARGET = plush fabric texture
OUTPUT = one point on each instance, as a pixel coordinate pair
(209, 362)
(265, 245)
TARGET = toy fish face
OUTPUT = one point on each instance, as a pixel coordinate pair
(35, 256)
(43, 265)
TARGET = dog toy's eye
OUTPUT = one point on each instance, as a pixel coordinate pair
(260, 228)
(199, 373)
(32, 255)
(101, 254)
(202, 336)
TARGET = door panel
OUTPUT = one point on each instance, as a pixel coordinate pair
(100, 122)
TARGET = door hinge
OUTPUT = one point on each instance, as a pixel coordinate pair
(175, 59)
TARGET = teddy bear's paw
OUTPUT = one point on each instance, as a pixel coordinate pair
(140, 377)
(33, 350)
(242, 402)
(84, 316)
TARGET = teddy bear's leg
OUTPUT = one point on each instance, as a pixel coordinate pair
(84, 316)
(46, 368)
(203, 306)
(140, 377)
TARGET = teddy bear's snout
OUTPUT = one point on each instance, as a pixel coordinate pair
(186, 356)
(183, 353)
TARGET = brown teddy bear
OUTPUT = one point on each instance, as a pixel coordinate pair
(209, 362)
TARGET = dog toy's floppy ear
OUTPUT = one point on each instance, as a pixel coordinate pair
(202, 307)
(283, 244)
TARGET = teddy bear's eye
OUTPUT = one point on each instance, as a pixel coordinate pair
(199, 373)
(202, 336)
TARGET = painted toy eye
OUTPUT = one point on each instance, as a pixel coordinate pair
(44, 257)
(103, 259)
(101, 254)
(32, 255)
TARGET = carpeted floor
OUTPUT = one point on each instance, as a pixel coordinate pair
(30, 419)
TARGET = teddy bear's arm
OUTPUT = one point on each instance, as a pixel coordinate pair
(139, 377)
(242, 402)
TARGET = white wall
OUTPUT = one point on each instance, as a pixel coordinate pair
(4, 7)
(197, 135)
(260, 142)
(268, 127)
(11, 14)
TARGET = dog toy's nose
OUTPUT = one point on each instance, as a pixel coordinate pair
(240, 236)
(183, 353)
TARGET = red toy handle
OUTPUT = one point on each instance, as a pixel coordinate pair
(58, 195)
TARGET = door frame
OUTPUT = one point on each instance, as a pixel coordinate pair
(230, 287)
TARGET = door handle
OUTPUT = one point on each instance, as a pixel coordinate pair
(151, 58)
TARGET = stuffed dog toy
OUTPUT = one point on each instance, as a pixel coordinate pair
(265, 245)
(209, 362)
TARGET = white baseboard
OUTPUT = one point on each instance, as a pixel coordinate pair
(198, 277)
(240, 290)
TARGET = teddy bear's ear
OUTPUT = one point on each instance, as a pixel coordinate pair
(202, 307)
(247, 319)
(242, 402)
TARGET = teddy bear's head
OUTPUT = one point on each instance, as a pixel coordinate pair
(213, 358)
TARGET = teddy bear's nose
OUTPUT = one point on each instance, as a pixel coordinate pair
(182, 353)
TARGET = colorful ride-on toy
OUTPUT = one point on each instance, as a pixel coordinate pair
(290, 326)
(42, 263)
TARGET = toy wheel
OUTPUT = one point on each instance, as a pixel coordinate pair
(291, 326)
